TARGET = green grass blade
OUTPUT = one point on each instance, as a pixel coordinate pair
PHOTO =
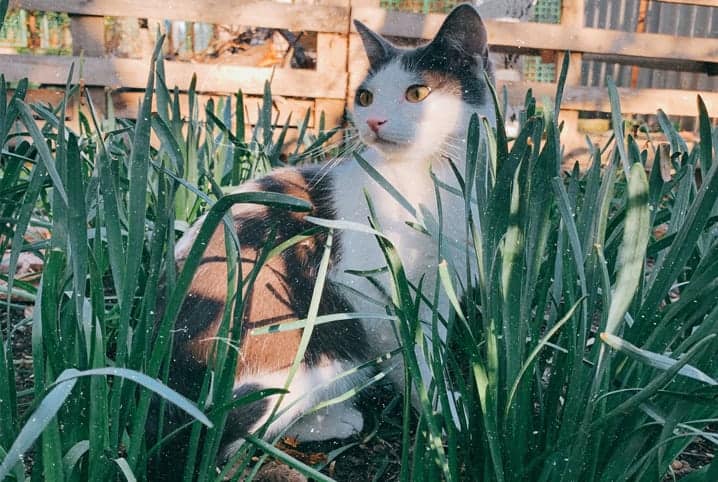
(125, 469)
(656, 384)
(683, 246)
(561, 83)
(141, 379)
(706, 144)
(617, 123)
(386, 185)
(290, 461)
(655, 360)
(41, 146)
(535, 352)
(137, 206)
(31, 431)
(111, 206)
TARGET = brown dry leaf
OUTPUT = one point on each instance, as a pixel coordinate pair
(289, 446)
(291, 441)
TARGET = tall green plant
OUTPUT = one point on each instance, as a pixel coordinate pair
(106, 192)
(572, 358)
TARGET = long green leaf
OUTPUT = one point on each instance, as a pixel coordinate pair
(38, 421)
(41, 146)
(632, 253)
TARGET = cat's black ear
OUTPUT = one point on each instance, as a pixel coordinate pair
(377, 48)
(463, 31)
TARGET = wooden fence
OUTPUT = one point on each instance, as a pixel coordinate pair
(341, 62)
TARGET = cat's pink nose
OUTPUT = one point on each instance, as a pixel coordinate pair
(374, 124)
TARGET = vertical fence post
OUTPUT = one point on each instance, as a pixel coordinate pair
(572, 16)
(358, 64)
(332, 60)
(88, 40)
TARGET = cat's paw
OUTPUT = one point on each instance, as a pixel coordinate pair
(350, 423)
(340, 422)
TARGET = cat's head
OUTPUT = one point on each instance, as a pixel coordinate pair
(416, 103)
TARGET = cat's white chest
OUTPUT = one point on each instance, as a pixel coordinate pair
(418, 251)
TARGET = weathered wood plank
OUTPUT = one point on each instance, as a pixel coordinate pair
(537, 36)
(132, 73)
(705, 3)
(315, 18)
(125, 104)
(633, 101)
(294, 110)
(572, 15)
(88, 36)
(51, 97)
(332, 50)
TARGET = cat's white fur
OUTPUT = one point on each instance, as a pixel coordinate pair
(428, 132)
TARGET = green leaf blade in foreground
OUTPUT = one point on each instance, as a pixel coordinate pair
(617, 122)
(36, 424)
(141, 379)
(706, 137)
(59, 393)
(632, 252)
(41, 146)
(681, 249)
(138, 168)
(656, 360)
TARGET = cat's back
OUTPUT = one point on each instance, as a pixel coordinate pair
(283, 286)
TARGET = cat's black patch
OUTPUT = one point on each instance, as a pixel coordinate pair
(196, 315)
(252, 230)
(272, 184)
(344, 339)
(242, 419)
(321, 191)
(466, 70)
(378, 50)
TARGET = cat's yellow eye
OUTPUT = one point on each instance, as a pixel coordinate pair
(364, 97)
(417, 93)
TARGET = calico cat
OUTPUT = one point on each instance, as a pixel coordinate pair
(412, 113)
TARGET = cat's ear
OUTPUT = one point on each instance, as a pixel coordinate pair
(377, 48)
(463, 31)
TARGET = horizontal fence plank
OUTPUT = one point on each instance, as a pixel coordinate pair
(132, 73)
(705, 3)
(126, 105)
(539, 36)
(314, 18)
(633, 101)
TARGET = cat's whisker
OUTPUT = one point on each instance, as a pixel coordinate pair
(324, 148)
(326, 168)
